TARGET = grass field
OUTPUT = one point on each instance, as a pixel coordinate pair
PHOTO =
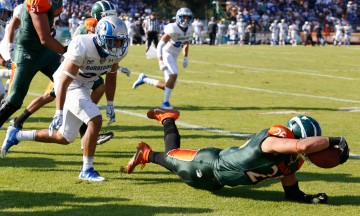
(226, 94)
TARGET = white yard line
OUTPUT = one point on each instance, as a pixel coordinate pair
(277, 70)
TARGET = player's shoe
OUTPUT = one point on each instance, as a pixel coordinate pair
(166, 105)
(104, 137)
(9, 141)
(160, 114)
(91, 175)
(139, 81)
(141, 156)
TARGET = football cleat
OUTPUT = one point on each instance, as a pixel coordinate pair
(141, 156)
(9, 141)
(91, 175)
(139, 81)
(104, 137)
(166, 105)
(160, 114)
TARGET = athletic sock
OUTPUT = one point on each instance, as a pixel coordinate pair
(88, 162)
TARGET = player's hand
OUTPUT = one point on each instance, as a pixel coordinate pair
(8, 64)
(320, 198)
(110, 112)
(125, 71)
(185, 62)
(56, 122)
(162, 65)
(344, 150)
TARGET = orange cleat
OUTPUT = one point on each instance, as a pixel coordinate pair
(141, 156)
(160, 114)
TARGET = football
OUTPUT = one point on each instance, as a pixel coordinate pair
(327, 158)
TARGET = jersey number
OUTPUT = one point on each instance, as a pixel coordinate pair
(257, 177)
(177, 44)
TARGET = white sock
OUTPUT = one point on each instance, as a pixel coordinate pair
(88, 162)
(26, 135)
(151, 81)
(167, 94)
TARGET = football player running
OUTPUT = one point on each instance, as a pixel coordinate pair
(177, 37)
(276, 152)
(88, 57)
(99, 10)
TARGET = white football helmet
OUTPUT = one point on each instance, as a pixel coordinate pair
(6, 10)
(112, 36)
(180, 17)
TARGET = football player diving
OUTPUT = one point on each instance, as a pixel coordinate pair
(275, 152)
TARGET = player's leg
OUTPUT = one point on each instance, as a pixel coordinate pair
(170, 78)
(144, 154)
(35, 105)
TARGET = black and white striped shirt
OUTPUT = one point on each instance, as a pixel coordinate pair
(152, 25)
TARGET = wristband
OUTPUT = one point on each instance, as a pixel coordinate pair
(58, 112)
(11, 46)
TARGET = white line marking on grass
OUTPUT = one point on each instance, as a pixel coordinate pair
(279, 71)
(274, 92)
(266, 90)
(354, 156)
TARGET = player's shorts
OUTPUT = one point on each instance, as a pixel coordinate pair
(78, 109)
(194, 167)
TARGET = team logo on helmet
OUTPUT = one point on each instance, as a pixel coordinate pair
(304, 126)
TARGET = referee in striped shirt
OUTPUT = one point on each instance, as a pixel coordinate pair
(152, 28)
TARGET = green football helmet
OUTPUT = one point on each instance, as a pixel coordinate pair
(304, 126)
(102, 9)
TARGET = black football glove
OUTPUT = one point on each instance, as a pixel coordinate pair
(8, 64)
(344, 150)
(320, 198)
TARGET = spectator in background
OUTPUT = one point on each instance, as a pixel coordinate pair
(306, 28)
(319, 37)
(221, 31)
(138, 31)
(252, 29)
(241, 25)
(73, 24)
(198, 28)
(130, 27)
(232, 32)
(347, 34)
(293, 32)
(338, 33)
(152, 28)
(212, 29)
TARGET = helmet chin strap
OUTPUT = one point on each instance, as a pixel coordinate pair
(99, 49)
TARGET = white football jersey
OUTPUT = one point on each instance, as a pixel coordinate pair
(198, 26)
(241, 27)
(177, 37)
(83, 52)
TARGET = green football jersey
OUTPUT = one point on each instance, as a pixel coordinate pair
(247, 164)
(27, 36)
